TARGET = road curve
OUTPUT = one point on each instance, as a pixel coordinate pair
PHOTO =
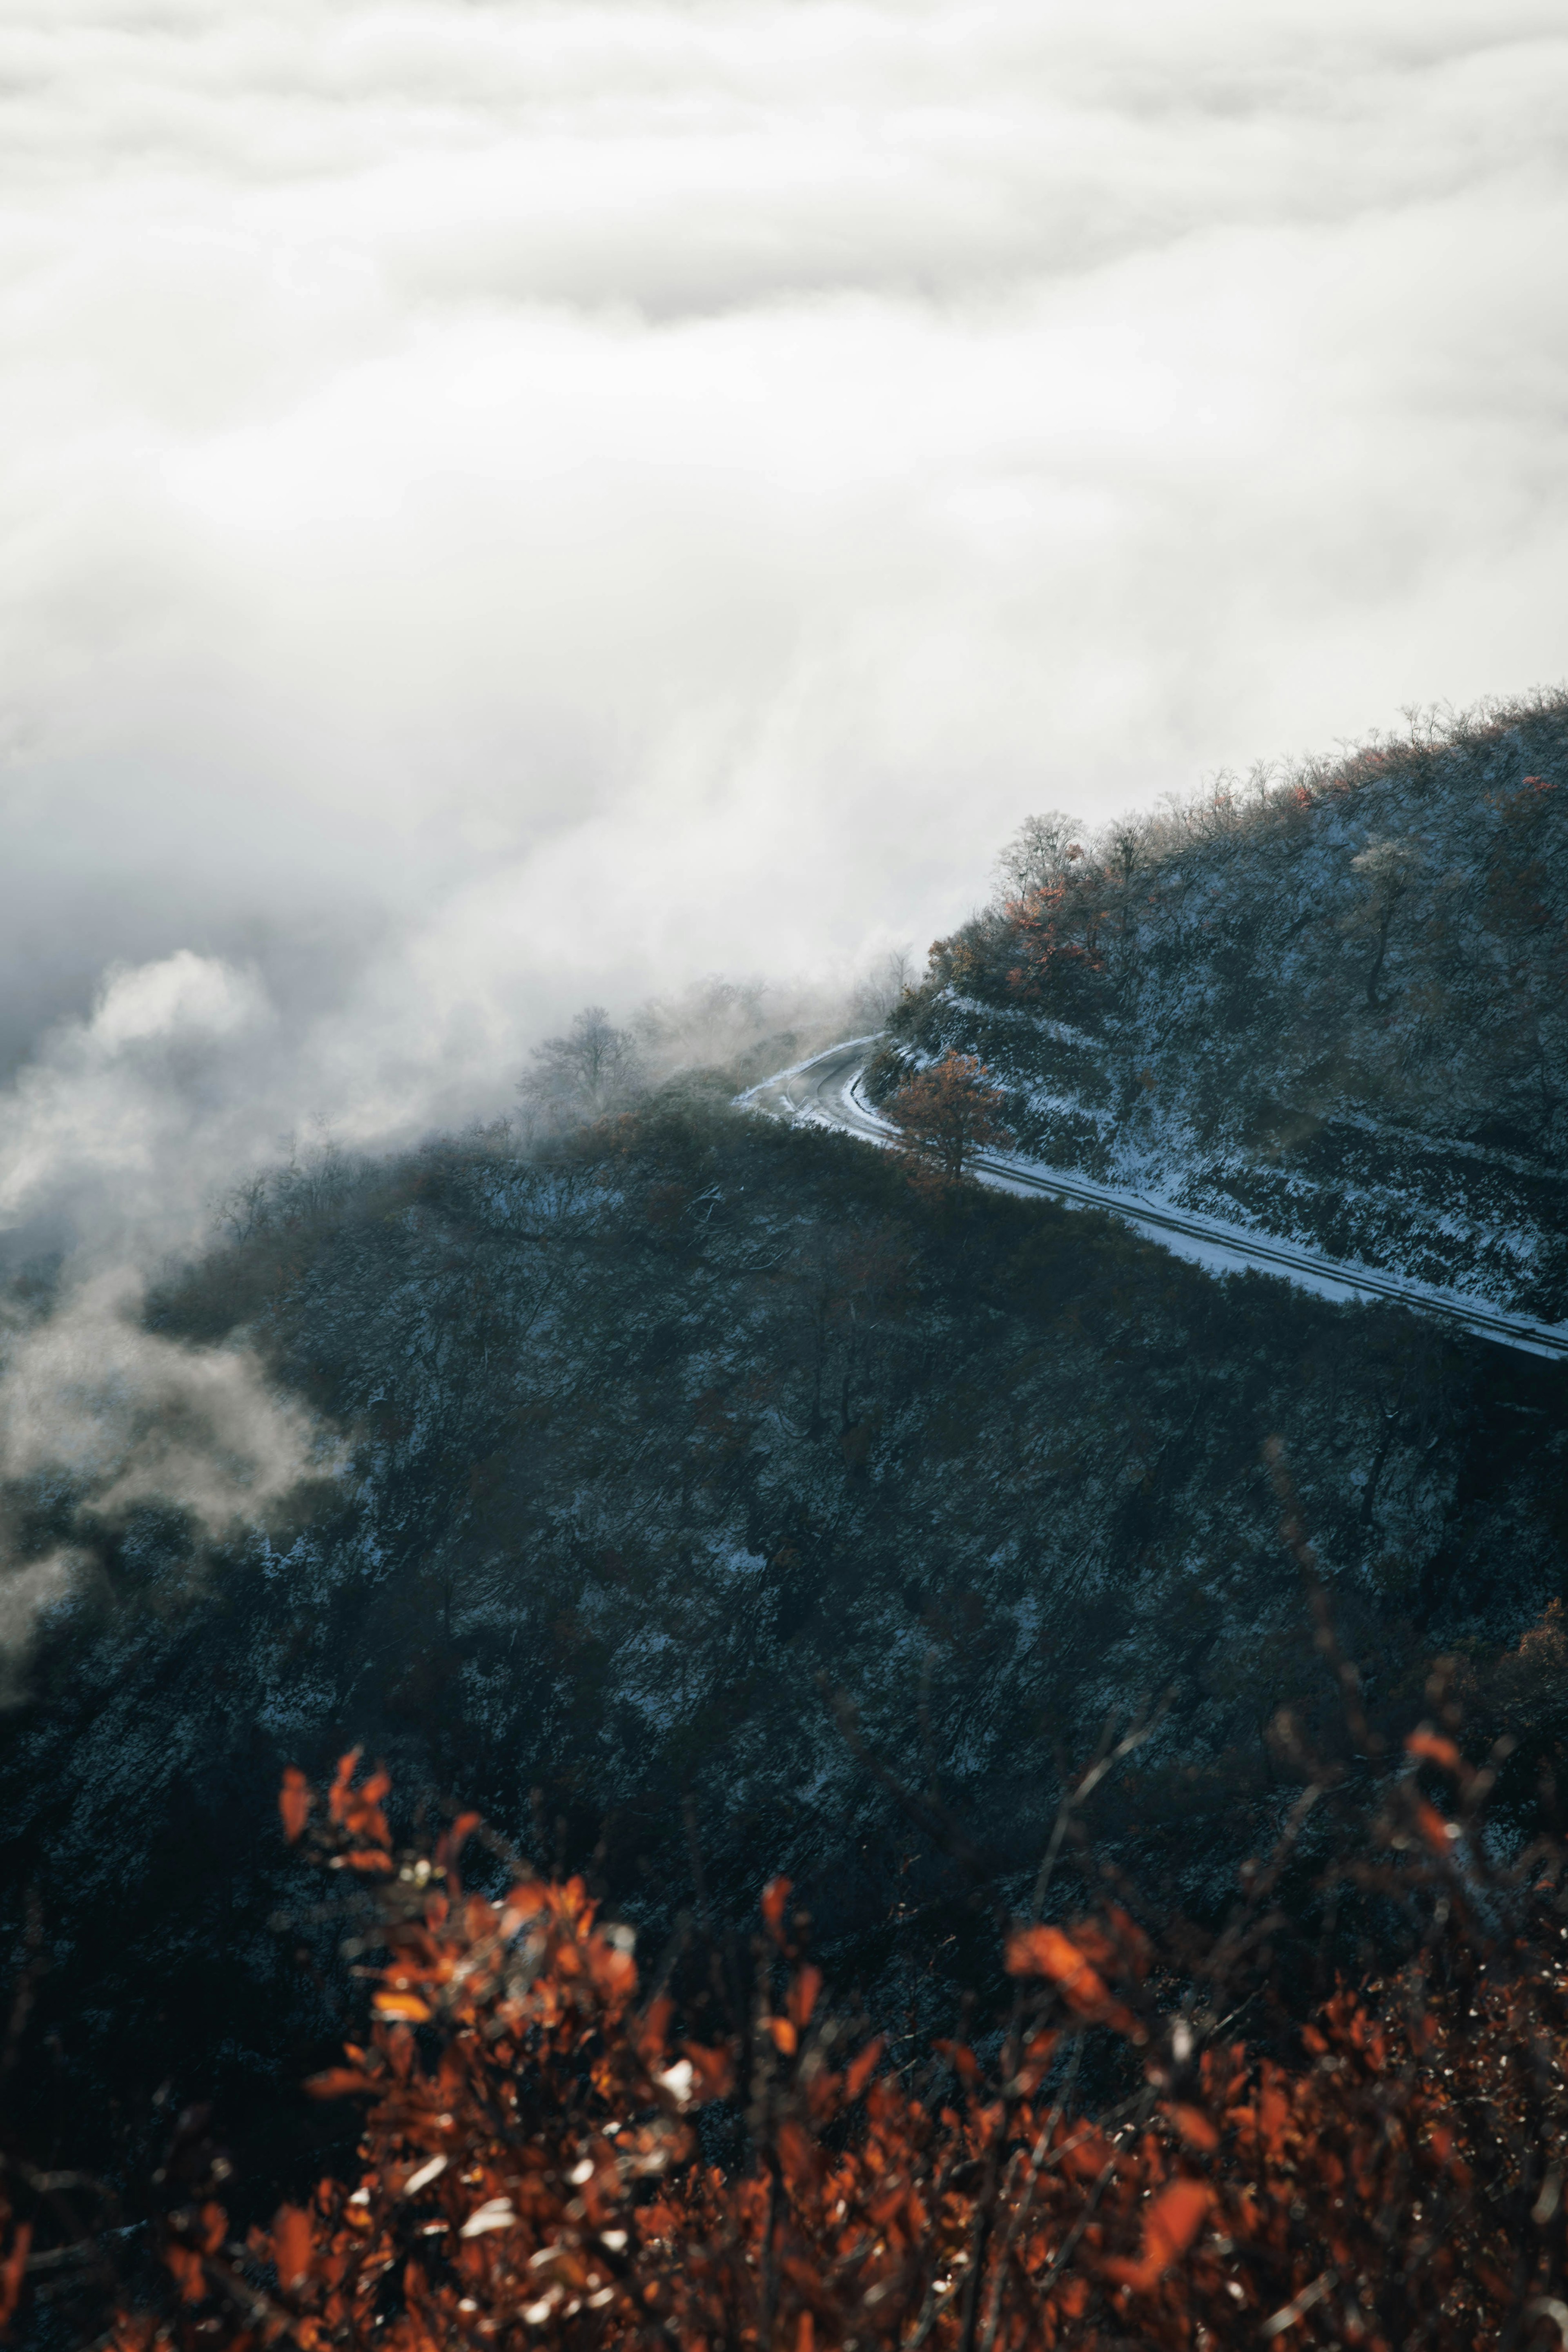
(826, 1092)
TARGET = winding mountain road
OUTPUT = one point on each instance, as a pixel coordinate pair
(826, 1091)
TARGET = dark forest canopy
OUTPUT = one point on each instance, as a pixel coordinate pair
(659, 1444)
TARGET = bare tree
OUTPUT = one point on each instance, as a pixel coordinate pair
(1040, 850)
(709, 1021)
(594, 1069)
(878, 994)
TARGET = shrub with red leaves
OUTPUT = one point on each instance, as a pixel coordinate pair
(1390, 2173)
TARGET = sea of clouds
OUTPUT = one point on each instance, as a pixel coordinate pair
(511, 502)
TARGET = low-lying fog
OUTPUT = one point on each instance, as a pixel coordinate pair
(517, 504)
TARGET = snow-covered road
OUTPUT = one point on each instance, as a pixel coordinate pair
(826, 1092)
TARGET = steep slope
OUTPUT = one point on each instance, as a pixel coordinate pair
(657, 1444)
(1332, 1004)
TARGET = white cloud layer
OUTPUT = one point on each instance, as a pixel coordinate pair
(503, 503)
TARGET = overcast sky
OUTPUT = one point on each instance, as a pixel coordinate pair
(505, 502)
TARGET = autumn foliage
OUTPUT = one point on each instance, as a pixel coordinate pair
(948, 1113)
(534, 2166)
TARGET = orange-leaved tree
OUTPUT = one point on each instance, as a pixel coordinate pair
(530, 2171)
(948, 1112)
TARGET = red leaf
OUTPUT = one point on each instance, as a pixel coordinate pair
(187, 2271)
(293, 2242)
(714, 2070)
(294, 1801)
(614, 1972)
(1433, 1828)
(862, 2068)
(1046, 1952)
(337, 1794)
(775, 1895)
(1194, 2126)
(14, 2270)
(803, 1995)
(451, 1841)
(1171, 2224)
(1437, 1752)
(405, 2005)
(340, 2083)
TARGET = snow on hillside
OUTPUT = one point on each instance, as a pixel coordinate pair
(1330, 1006)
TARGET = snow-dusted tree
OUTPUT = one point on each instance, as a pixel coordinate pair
(1042, 850)
(594, 1069)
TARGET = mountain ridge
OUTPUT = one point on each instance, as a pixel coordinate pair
(1332, 1003)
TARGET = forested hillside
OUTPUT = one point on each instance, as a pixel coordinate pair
(1331, 1003)
(700, 1473)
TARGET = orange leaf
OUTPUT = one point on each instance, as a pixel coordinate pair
(522, 1904)
(187, 2271)
(1046, 1952)
(293, 2242)
(797, 2153)
(369, 1858)
(862, 2068)
(402, 2005)
(803, 1995)
(653, 2027)
(1195, 2126)
(1174, 2220)
(785, 2038)
(1171, 2224)
(713, 2069)
(14, 2271)
(775, 1895)
(615, 1972)
(294, 1801)
(340, 2083)
(1434, 1828)
(337, 1794)
(451, 1843)
(1134, 1942)
(1437, 1752)
(961, 2059)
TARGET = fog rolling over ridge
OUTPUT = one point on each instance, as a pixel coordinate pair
(505, 508)
(560, 558)
(508, 509)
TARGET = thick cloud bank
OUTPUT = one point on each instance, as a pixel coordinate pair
(509, 503)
